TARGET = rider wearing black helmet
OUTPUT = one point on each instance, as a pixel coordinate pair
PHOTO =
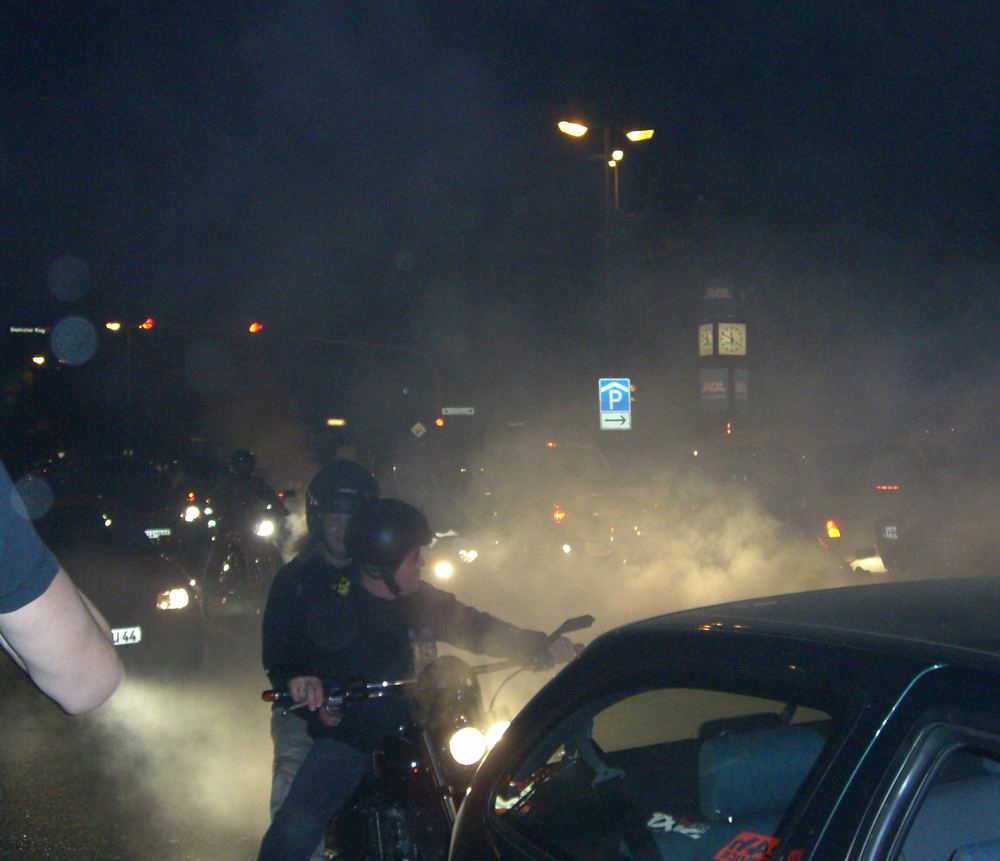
(374, 624)
(381, 535)
(333, 495)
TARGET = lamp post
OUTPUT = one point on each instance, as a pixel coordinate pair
(611, 159)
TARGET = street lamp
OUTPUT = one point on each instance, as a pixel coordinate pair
(611, 159)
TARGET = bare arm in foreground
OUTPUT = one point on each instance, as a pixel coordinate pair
(64, 644)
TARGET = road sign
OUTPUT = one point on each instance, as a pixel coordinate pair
(458, 411)
(616, 421)
(418, 430)
(614, 400)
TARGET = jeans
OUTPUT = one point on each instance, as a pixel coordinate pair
(327, 779)
(291, 744)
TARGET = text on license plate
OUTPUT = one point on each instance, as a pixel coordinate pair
(126, 636)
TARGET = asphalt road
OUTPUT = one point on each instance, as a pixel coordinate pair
(169, 770)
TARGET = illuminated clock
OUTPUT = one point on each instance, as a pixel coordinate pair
(705, 340)
(732, 339)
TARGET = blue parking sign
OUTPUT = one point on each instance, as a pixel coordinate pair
(613, 393)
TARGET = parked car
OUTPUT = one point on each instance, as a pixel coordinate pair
(853, 723)
(153, 608)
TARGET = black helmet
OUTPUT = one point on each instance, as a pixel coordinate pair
(242, 462)
(383, 533)
(339, 487)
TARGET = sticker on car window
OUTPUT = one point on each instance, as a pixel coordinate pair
(747, 846)
(665, 822)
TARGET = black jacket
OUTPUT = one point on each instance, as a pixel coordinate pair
(320, 621)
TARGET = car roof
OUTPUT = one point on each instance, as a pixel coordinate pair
(949, 615)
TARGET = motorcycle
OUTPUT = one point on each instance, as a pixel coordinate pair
(243, 559)
(406, 811)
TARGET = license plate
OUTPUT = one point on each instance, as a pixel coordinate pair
(126, 636)
(890, 532)
(158, 532)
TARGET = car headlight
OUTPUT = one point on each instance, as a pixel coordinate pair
(467, 745)
(264, 529)
(192, 513)
(173, 599)
(443, 570)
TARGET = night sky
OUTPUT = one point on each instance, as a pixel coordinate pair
(392, 172)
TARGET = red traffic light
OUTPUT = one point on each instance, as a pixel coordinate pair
(255, 327)
(439, 422)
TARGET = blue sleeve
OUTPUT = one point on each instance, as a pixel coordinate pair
(27, 566)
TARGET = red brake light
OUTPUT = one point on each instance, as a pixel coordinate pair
(255, 327)
(558, 514)
(890, 488)
(192, 496)
(147, 324)
(551, 443)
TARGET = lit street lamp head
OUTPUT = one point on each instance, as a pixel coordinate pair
(640, 135)
(576, 130)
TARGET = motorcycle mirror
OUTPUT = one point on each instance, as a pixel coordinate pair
(577, 623)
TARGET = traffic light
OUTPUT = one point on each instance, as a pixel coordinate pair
(439, 422)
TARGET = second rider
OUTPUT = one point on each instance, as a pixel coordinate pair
(373, 621)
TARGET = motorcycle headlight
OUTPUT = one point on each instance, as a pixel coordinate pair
(264, 529)
(467, 746)
(173, 599)
(192, 513)
(494, 732)
(443, 570)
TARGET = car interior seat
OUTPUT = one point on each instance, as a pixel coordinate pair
(959, 813)
(747, 781)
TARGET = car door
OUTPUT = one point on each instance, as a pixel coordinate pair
(929, 787)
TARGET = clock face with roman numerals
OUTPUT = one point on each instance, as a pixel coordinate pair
(705, 339)
(732, 339)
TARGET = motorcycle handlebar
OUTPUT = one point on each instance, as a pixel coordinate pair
(338, 695)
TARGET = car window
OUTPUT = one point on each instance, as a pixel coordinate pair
(958, 817)
(660, 773)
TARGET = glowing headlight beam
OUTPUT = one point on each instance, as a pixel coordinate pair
(192, 513)
(264, 529)
(467, 746)
(494, 733)
(444, 570)
(173, 599)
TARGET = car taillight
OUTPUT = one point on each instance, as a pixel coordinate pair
(832, 529)
(558, 514)
(887, 488)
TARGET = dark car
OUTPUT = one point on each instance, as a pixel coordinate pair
(854, 501)
(153, 608)
(855, 723)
